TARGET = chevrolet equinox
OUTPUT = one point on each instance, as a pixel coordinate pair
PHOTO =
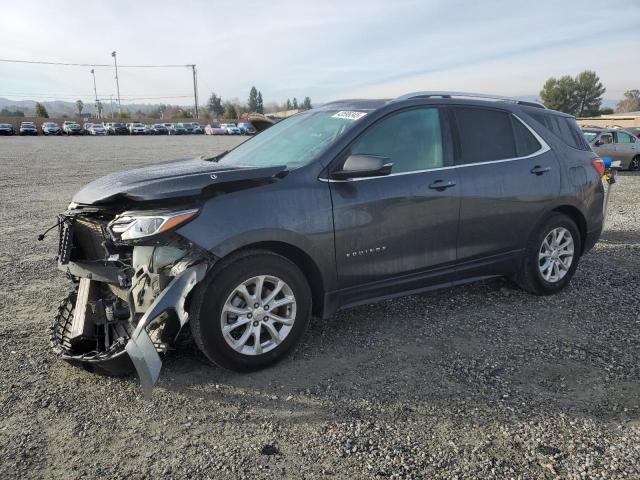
(350, 203)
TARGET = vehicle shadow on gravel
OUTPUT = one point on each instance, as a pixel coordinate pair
(485, 348)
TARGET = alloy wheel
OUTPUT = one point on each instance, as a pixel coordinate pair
(556, 254)
(258, 315)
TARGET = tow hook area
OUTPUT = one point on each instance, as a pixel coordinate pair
(140, 347)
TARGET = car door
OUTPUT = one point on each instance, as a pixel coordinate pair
(508, 177)
(604, 146)
(397, 232)
(625, 147)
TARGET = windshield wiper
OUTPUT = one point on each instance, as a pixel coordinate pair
(217, 157)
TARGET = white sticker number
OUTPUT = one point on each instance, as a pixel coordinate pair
(349, 115)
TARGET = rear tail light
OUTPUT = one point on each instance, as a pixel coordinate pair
(598, 164)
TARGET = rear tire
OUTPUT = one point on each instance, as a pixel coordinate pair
(547, 267)
(634, 166)
(234, 319)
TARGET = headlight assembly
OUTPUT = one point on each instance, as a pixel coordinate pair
(134, 225)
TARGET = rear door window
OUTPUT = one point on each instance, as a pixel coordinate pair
(622, 137)
(484, 135)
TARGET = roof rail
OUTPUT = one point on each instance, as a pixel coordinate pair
(444, 94)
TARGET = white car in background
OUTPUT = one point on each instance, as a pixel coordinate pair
(231, 128)
(97, 129)
(137, 128)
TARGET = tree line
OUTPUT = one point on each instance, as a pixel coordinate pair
(581, 96)
(232, 109)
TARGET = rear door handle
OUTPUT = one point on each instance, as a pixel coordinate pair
(441, 185)
(538, 170)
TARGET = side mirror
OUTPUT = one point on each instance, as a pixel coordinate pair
(360, 166)
(599, 143)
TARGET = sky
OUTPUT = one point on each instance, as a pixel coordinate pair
(322, 49)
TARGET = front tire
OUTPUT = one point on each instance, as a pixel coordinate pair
(551, 256)
(251, 311)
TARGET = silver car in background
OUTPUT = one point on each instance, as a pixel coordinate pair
(615, 143)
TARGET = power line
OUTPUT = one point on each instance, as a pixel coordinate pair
(36, 62)
(76, 95)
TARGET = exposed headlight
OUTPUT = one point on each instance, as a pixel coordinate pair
(134, 225)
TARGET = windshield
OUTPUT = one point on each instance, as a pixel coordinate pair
(589, 136)
(292, 142)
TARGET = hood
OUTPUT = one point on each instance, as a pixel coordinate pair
(167, 180)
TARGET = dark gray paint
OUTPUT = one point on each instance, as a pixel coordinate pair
(474, 230)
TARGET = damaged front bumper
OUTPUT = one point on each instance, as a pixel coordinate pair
(129, 303)
(140, 347)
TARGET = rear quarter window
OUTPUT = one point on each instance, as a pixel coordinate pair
(564, 128)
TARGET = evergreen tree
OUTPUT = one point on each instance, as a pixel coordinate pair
(561, 94)
(306, 105)
(580, 96)
(294, 104)
(214, 105)
(260, 106)
(589, 90)
(79, 106)
(41, 111)
(230, 112)
(288, 105)
(253, 100)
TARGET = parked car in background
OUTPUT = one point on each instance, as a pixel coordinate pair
(7, 129)
(214, 129)
(635, 131)
(246, 128)
(158, 129)
(28, 128)
(615, 143)
(70, 127)
(188, 127)
(51, 128)
(177, 129)
(116, 128)
(196, 128)
(97, 129)
(231, 128)
(137, 128)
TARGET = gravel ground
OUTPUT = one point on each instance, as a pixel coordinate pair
(484, 381)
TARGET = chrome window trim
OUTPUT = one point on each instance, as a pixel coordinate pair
(544, 148)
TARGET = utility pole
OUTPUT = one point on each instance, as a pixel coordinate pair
(95, 91)
(195, 88)
(115, 63)
(111, 102)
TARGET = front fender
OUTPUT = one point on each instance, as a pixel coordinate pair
(293, 211)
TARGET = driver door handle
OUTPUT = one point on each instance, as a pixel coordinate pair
(441, 185)
(538, 170)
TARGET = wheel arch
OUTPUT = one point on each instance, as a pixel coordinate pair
(302, 260)
(578, 217)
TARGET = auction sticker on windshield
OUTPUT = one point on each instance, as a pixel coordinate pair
(349, 115)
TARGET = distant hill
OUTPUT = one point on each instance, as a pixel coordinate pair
(58, 108)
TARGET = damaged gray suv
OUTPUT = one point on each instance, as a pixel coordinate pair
(350, 203)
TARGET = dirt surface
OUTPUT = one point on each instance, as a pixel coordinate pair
(483, 381)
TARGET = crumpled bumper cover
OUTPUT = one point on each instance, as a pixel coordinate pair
(140, 348)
